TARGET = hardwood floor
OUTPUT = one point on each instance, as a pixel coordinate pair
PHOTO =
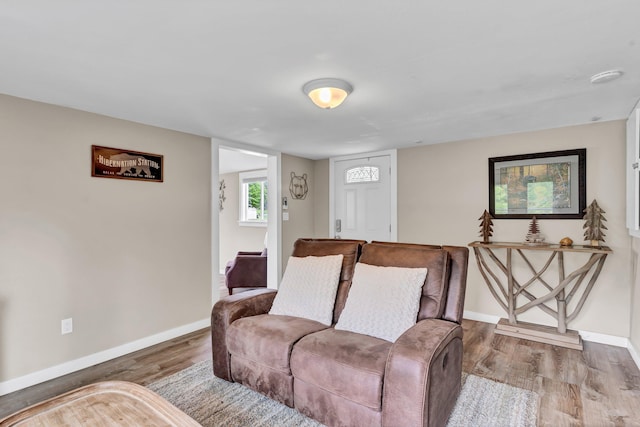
(599, 386)
(142, 367)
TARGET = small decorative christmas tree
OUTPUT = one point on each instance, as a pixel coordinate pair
(594, 224)
(486, 226)
(534, 236)
(533, 226)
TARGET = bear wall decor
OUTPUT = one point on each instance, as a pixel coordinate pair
(298, 186)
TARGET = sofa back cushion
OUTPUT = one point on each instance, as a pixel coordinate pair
(383, 302)
(434, 291)
(308, 288)
(350, 249)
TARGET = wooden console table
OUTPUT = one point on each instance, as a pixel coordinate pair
(567, 288)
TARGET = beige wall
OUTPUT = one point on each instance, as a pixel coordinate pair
(130, 259)
(233, 237)
(301, 211)
(321, 198)
(124, 259)
(443, 190)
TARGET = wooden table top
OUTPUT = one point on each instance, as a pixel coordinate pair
(109, 403)
(543, 247)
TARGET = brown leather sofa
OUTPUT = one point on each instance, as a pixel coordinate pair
(341, 378)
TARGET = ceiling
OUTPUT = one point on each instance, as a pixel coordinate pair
(423, 72)
(231, 160)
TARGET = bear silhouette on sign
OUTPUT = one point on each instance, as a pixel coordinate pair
(298, 186)
(136, 170)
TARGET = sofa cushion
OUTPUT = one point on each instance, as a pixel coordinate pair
(434, 291)
(350, 249)
(383, 301)
(320, 247)
(308, 288)
(268, 339)
(344, 363)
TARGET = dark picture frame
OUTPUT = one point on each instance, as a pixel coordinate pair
(116, 163)
(549, 185)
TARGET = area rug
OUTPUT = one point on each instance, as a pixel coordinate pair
(214, 402)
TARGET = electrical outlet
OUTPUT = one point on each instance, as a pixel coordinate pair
(66, 326)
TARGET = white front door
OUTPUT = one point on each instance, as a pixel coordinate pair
(362, 198)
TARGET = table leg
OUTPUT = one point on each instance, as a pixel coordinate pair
(562, 304)
(511, 299)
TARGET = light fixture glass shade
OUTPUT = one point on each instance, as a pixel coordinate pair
(606, 76)
(327, 93)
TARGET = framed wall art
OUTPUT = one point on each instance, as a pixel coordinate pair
(126, 164)
(550, 185)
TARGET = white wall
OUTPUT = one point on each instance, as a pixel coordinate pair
(124, 259)
(632, 142)
(443, 190)
(635, 300)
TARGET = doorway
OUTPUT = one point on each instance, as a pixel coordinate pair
(363, 196)
(228, 234)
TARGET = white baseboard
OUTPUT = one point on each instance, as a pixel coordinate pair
(480, 317)
(38, 377)
(586, 335)
(47, 374)
(604, 339)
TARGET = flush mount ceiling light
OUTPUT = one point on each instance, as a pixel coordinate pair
(327, 93)
(606, 76)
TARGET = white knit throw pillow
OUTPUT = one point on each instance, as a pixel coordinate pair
(383, 301)
(308, 288)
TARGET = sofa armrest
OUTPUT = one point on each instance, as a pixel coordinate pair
(225, 312)
(423, 375)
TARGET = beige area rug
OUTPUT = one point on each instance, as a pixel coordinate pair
(215, 402)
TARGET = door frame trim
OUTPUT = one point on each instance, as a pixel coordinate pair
(274, 228)
(393, 188)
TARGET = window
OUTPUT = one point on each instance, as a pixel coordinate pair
(633, 172)
(362, 174)
(253, 198)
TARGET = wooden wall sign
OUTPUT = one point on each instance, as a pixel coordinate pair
(126, 164)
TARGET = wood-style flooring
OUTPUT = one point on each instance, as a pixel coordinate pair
(599, 386)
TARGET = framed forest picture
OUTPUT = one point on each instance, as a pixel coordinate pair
(548, 185)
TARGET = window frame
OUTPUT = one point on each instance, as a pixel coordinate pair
(245, 178)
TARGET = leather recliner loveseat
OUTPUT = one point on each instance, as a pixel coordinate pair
(344, 378)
